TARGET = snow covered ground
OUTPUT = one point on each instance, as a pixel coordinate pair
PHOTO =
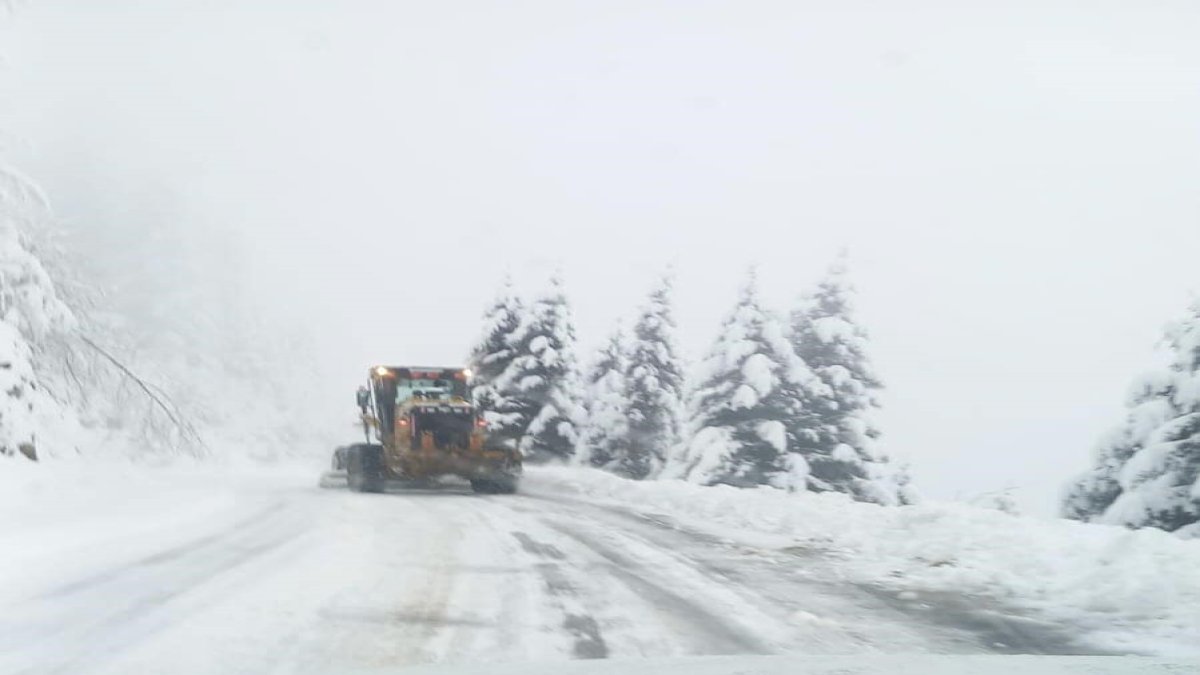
(1117, 589)
(118, 569)
(838, 665)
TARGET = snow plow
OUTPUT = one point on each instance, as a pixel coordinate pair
(421, 425)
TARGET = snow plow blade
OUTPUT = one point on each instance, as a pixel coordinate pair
(334, 479)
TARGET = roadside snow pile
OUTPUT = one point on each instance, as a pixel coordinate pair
(1127, 590)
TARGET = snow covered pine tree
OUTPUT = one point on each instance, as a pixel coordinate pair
(1147, 472)
(839, 438)
(29, 310)
(491, 358)
(653, 388)
(750, 386)
(541, 384)
(605, 433)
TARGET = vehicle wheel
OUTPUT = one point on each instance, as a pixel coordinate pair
(506, 485)
(364, 468)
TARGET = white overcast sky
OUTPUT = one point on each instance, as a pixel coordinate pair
(1018, 182)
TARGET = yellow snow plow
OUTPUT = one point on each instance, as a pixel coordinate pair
(420, 424)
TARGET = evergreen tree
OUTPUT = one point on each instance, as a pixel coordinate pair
(540, 387)
(1092, 493)
(901, 484)
(653, 388)
(750, 386)
(1147, 473)
(491, 358)
(605, 434)
(837, 435)
(30, 310)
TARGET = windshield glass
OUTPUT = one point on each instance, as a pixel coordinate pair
(433, 389)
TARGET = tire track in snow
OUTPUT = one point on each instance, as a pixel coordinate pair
(712, 634)
(589, 643)
(950, 622)
(188, 548)
(84, 623)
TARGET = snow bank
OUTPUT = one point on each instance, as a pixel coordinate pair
(1126, 590)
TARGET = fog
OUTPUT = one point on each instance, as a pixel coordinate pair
(1016, 184)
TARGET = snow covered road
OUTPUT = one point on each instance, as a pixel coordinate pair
(282, 577)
